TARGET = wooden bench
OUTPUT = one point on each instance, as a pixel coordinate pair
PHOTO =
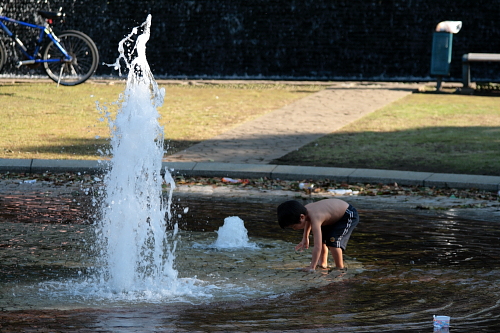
(475, 57)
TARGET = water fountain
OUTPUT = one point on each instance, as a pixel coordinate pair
(136, 250)
(135, 238)
(137, 253)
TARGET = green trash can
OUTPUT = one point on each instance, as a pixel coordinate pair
(441, 55)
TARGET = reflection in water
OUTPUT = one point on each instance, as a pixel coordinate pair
(416, 266)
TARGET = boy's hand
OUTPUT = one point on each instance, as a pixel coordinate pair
(302, 245)
(299, 247)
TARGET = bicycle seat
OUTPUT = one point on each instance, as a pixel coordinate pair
(51, 15)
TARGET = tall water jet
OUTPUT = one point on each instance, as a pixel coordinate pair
(137, 252)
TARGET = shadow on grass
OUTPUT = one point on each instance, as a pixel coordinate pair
(453, 90)
(81, 149)
(461, 150)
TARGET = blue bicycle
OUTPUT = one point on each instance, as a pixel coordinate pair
(69, 58)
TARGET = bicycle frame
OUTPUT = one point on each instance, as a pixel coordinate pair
(44, 31)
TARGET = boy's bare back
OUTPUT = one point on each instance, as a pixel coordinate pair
(326, 211)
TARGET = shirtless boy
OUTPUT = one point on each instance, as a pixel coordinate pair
(331, 222)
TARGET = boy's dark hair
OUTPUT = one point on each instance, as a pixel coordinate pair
(289, 213)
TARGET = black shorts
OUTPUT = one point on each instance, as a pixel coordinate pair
(337, 235)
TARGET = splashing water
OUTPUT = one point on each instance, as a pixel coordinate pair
(232, 234)
(135, 249)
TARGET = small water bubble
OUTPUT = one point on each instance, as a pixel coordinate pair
(186, 210)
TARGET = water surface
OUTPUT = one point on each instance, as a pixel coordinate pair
(414, 265)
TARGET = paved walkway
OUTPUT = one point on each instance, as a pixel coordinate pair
(282, 131)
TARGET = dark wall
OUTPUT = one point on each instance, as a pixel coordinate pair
(308, 39)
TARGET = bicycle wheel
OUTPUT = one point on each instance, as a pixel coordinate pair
(3, 55)
(84, 63)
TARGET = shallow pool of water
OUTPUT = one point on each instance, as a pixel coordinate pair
(414, 266)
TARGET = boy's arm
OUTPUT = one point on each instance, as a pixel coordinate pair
(304, 244)
(307, 231)
(318, 243)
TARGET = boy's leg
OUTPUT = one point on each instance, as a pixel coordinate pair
(323, 258)
(338, 235)
(337, 256)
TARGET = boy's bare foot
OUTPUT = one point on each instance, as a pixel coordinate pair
(338, 272)
(306, 269)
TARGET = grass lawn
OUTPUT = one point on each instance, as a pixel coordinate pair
(446, 133)
(43, 121)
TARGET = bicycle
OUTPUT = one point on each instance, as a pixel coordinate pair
(69, 58)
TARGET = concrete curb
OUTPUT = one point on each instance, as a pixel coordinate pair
(284, 172)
